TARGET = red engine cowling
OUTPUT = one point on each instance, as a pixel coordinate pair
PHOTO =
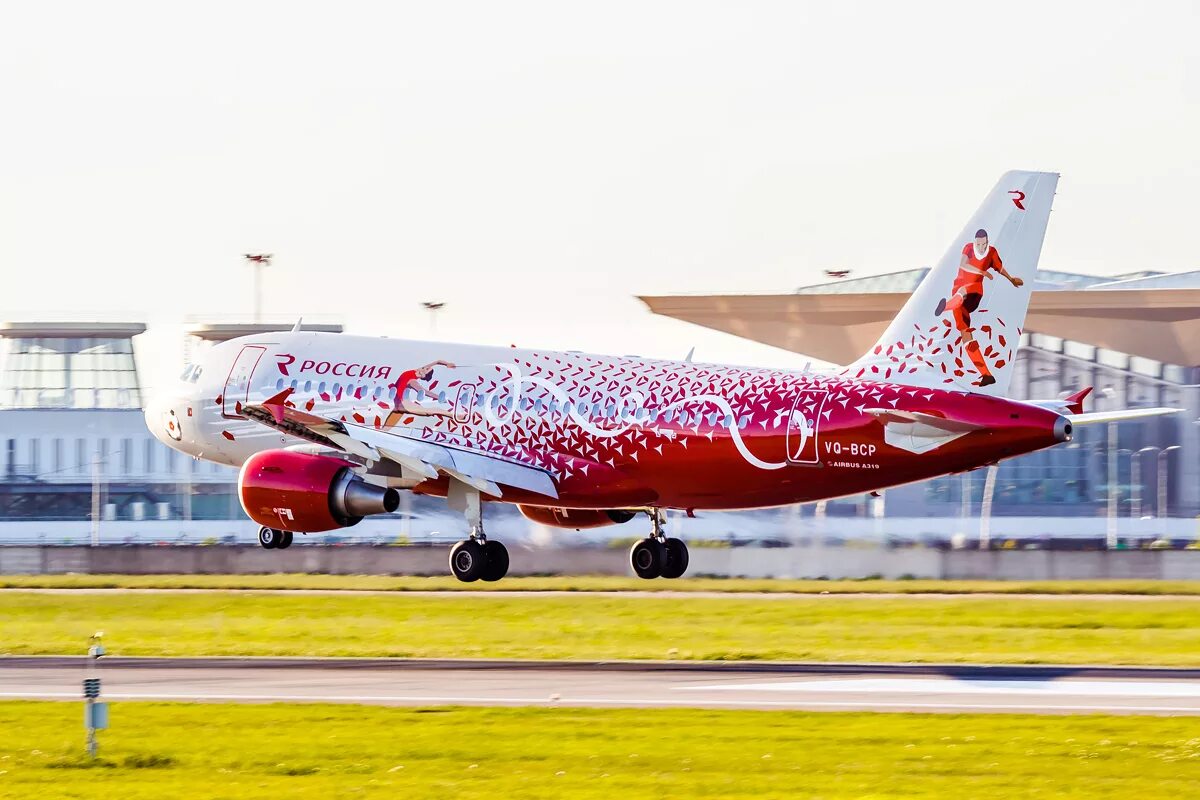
(306, 493)
(576, 517)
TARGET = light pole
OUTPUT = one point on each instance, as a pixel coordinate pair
(432, 306)
(1111, 525)
(1135, 508)
(1111, 538)
(1162, 480)
(258, 261)
(985, 508)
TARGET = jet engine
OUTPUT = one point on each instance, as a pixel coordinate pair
(308, 493)
(576, 517)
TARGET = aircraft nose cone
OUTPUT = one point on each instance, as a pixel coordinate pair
(163, 420)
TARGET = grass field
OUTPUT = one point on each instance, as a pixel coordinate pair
(385, 583)
(271, 751)
(1144, 630)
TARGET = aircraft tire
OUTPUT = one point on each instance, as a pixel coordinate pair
(468, 560)
(495, 556)
(269, 538)
(285, 540)
(677, 558)
(647, 558)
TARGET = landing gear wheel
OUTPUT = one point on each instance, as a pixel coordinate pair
(269, 538)
(286, 541)
(496, 561)
(677, 558)
(647, 558)
(468, 560)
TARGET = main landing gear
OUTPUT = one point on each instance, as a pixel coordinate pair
(658, 556)
(274, 539)
(477, 558)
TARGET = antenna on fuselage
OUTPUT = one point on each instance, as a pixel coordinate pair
(688, 357)
(296, 327)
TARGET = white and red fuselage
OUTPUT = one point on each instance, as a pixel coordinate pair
(611, 432)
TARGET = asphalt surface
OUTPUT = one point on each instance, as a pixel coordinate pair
(813, 687)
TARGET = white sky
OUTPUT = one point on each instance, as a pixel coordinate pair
(535, 165)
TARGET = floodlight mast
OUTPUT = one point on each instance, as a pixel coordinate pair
(258, 261)
(433, 307)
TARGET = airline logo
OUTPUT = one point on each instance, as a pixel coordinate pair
(339, 369)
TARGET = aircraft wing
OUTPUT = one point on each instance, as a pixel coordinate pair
(482, 471)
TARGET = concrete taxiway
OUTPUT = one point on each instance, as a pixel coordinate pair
(812, 687)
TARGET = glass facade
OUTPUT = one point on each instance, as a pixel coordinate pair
(904, 281)
(70, 372)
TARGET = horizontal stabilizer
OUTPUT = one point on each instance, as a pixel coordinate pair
(1068, 404)
(1096, 417)
(917, 432)
(944, 424)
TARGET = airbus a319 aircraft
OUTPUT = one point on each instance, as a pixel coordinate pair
(329, 428)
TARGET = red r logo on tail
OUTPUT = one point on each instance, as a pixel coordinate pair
(1018, 196)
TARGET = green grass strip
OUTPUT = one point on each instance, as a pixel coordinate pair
(965, 629)
(385, 583)
(157, 750)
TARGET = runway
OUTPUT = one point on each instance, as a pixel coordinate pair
(799, 687)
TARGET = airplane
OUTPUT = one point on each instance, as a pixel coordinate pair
(327, 429)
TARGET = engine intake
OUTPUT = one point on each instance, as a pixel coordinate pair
(576, 518)
(308, 494)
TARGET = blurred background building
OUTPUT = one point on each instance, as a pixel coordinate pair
(77, 462)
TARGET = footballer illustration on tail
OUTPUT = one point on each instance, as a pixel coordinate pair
(980, 261)
(961, 327)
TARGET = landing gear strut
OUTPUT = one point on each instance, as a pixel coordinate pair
(478, 558)
(658, 556)
(274, 539)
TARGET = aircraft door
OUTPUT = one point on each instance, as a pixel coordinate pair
(804, 424)
(237, 385)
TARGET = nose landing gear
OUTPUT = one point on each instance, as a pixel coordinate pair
(658, 556)
(274, 539)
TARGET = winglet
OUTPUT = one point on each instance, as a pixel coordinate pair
(1074, 402)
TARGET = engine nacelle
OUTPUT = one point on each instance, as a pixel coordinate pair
(576, 517)
(306, 493)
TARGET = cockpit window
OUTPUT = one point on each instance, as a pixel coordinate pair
(187, 373)
(196, 373)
